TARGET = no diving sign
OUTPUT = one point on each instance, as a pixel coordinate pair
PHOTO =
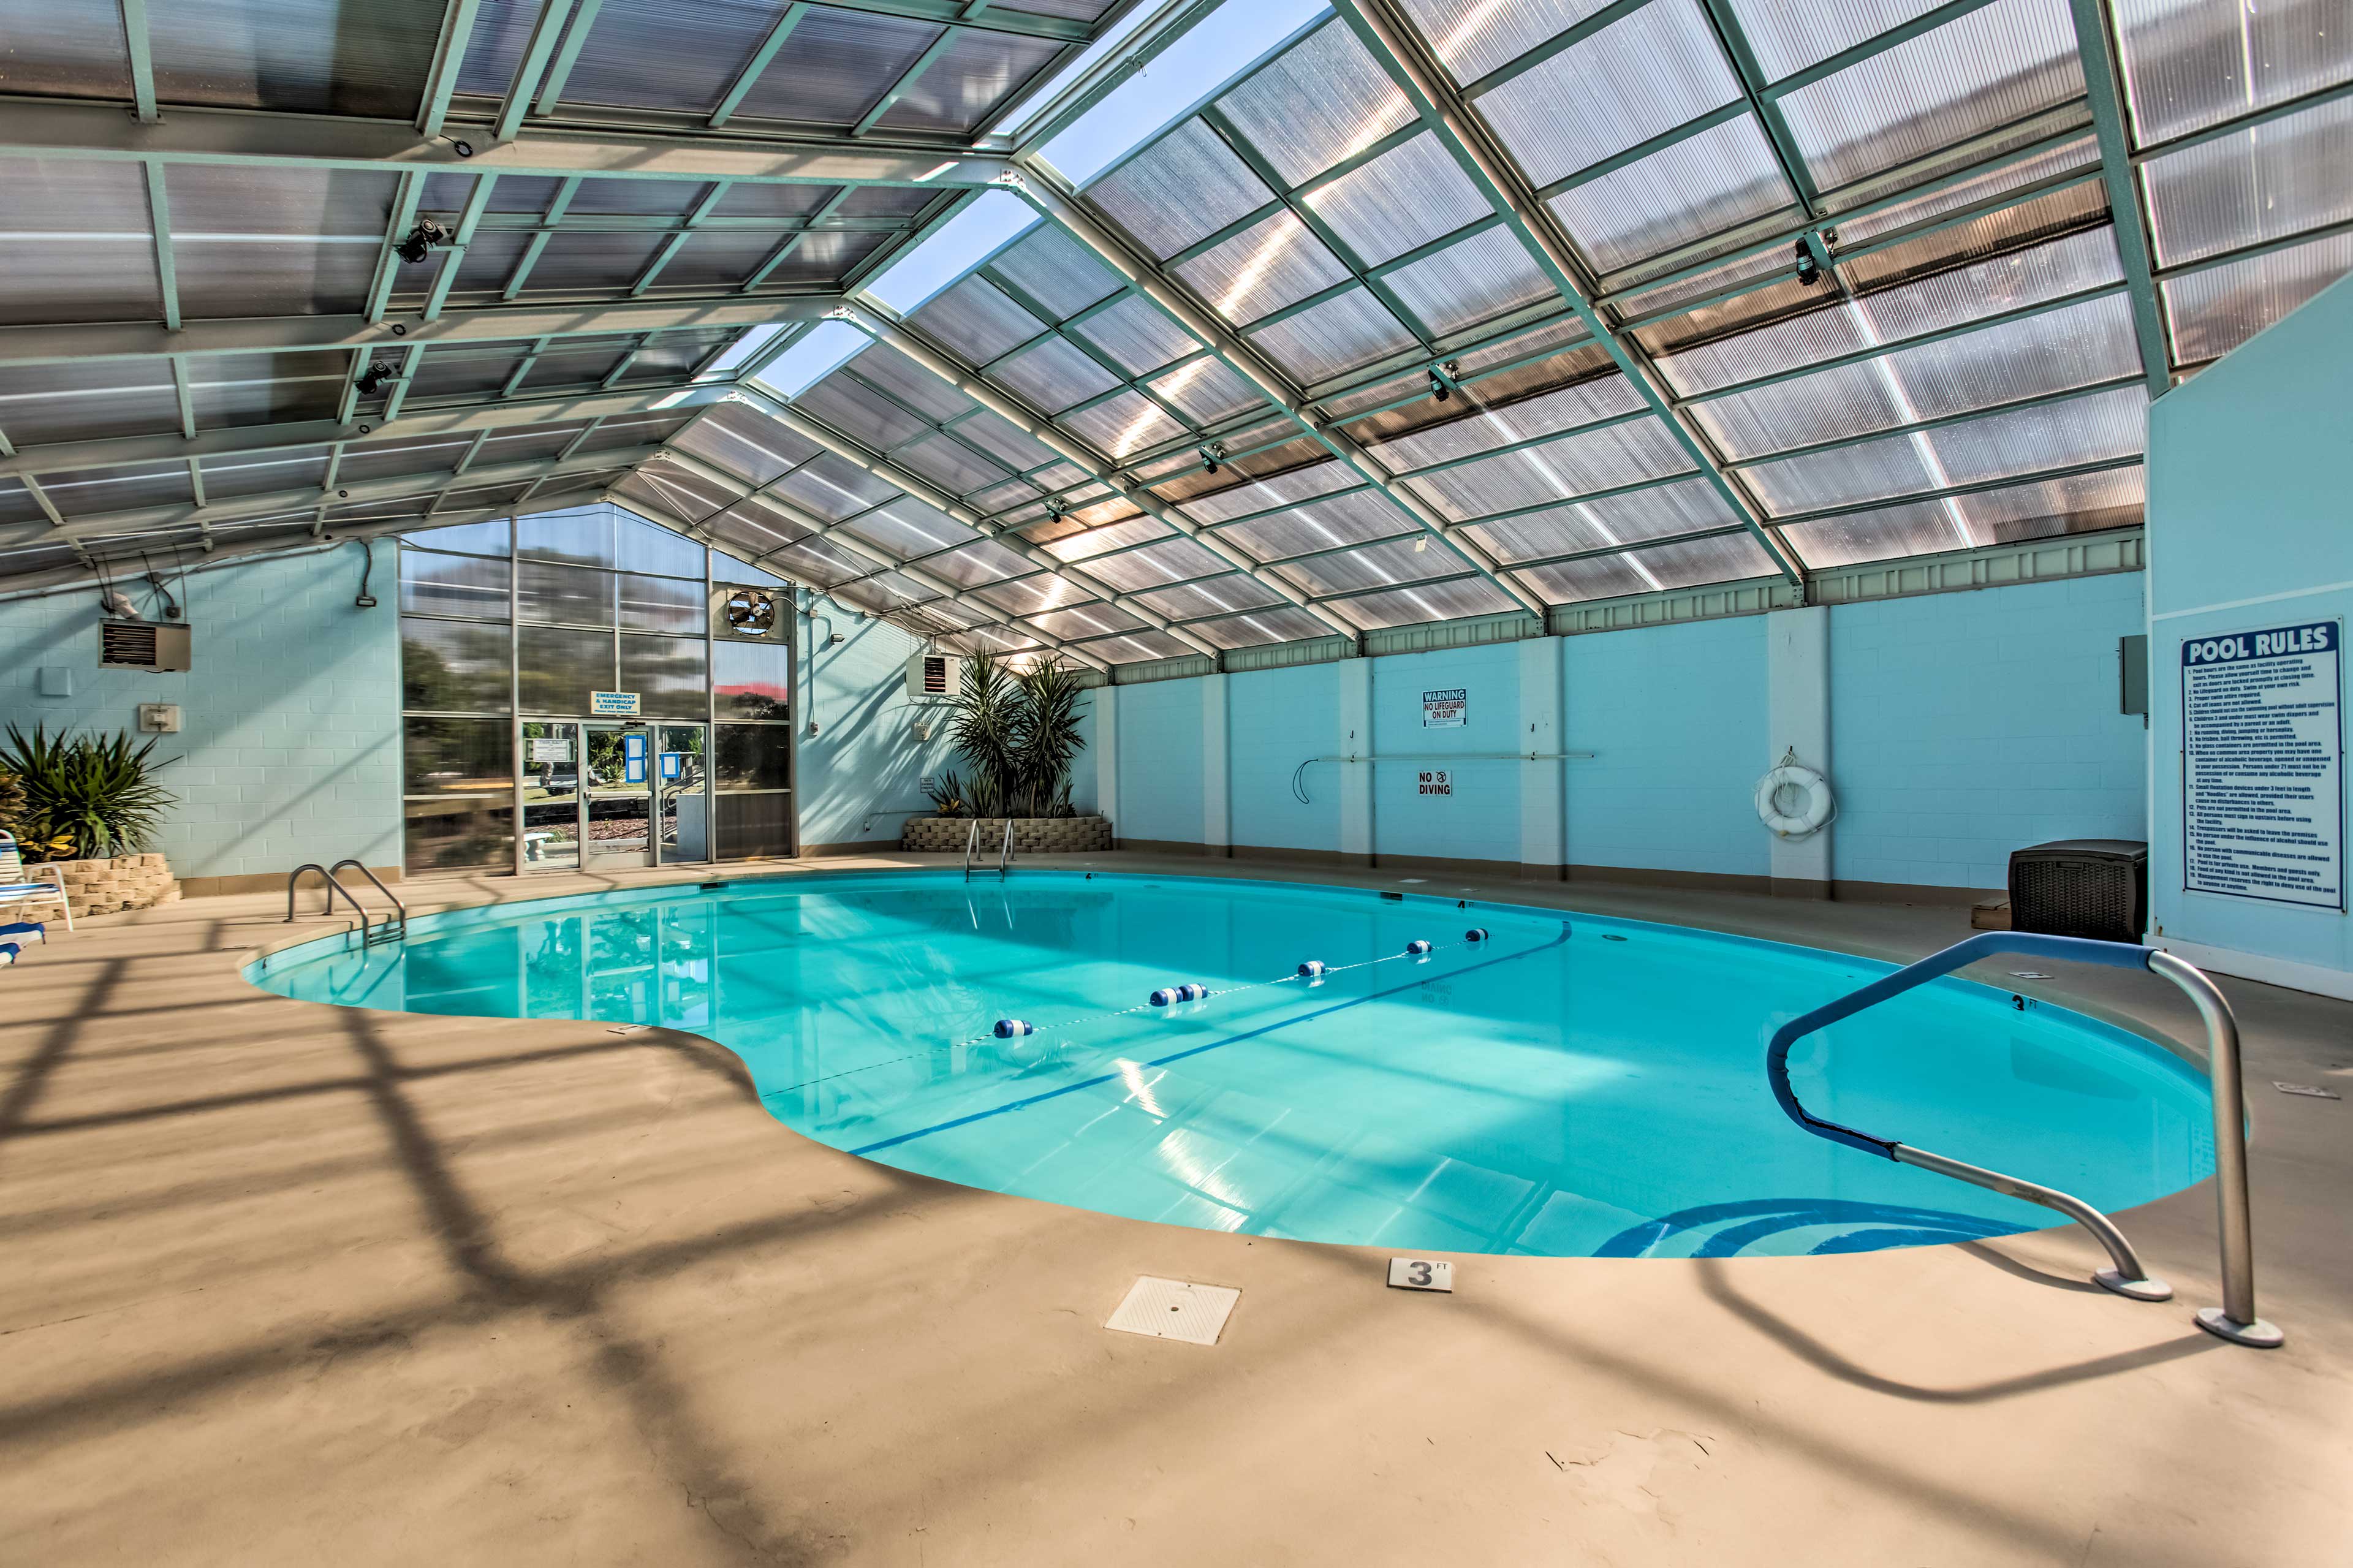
(1437, 782)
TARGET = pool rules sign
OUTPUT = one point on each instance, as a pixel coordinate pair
(2262, 788)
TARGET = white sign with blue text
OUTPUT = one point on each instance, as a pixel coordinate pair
(1447, 710)
(613, 704)
(2263, 784)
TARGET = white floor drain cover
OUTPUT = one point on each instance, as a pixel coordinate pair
(1175, 1310)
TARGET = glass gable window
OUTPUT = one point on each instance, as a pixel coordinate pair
(524, 630)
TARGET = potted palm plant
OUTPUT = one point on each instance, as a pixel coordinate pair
(1015, 733)
(91, 804)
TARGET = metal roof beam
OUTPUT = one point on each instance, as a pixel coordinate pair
(564, 408)
(2113, 130)
(82, 342)
(198, 557)
(55, 128)
(297, 501)
(1391, 42)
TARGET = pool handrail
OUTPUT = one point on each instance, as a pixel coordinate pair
(971, 848)
(2235, 1319)
(333, 887)
(400, 910)
(1005, 856)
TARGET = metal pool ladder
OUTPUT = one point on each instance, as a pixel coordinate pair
(396, 920)
(2235, 1319)
(972, 849)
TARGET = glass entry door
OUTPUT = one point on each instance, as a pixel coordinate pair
(681, 779)
(599, 792)
(550, 759)
(620, 795)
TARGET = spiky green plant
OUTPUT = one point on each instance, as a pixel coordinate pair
(1046, 735)
(1017, 734)
(86, 797)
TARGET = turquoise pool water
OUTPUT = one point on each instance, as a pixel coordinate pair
(1572, 1085)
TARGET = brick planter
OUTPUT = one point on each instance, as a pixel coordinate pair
(125, 883)
(1031, 834)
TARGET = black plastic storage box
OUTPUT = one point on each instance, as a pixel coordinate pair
(2081, 887)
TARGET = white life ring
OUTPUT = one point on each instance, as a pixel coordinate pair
(1820, 803)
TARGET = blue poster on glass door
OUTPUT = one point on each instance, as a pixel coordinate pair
(633, 759)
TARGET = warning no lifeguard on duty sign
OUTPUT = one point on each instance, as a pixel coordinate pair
(2262, 740)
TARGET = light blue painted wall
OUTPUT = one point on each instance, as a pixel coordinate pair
(1967, 725)
(2248, 502)
(1481, 820)
(1675, 717)
(1275, 719)
(289, 749)
(860, 775)
(1929, 695)
(1160, 792)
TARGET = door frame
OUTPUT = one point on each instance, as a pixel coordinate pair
(652, 728)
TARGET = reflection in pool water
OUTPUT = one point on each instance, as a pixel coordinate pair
(1542, 1091)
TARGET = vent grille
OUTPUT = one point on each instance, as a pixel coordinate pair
(935, 675)
(127, 644)
(142, 645)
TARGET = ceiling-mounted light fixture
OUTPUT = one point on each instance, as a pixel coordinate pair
(376, 378)
(1809, 271)
(1437, 387)
(1211, 453)
(421, 240)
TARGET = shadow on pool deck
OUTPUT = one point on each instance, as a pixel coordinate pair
(289, 1282)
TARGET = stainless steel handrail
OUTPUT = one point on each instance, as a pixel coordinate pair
(367, 926)
(377, 883)
(2235, 1319)
(1005, 856)
(971, 848)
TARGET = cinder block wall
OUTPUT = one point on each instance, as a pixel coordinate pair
(1961, 726)
(289, 749)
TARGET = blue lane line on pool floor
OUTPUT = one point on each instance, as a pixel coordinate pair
(1100, 1078)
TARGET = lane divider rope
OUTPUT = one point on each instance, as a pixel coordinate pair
(1313, 971)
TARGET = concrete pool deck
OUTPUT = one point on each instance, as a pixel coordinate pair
(289, 1283)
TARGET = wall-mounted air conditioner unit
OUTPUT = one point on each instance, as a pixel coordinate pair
(142, 645)
(934, 675)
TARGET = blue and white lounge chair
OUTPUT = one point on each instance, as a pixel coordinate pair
(20, 888)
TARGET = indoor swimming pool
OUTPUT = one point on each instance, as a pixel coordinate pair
(1564, 1085)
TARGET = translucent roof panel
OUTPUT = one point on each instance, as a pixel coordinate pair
(1217, 189)
(1789, 39)
(1322, 101)
(2191, 64)
(1990, 68)
(2268, 182)
(2098, 427)
(2085, 502)
(1730, 558)
(2077, 346)
(1700, 185)
(1646, 73)
(2214, 312)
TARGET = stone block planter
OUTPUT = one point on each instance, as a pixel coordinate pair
(124, 882)
(1031, 834)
